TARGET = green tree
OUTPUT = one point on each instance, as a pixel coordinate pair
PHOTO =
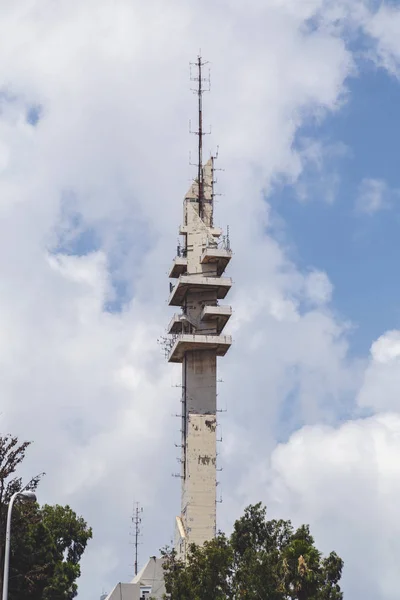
(206, 575)
(47, 542)
(262, 560)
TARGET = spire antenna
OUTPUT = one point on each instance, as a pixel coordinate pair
(203, 85)
(136, 520)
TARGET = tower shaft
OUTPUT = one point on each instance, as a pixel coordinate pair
(199, 340)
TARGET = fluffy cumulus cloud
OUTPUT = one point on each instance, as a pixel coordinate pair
(94, 106)
(383, 26)
(344, 479)
(381, 383)
(345, 482)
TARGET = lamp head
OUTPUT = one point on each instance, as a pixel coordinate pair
(27, 496)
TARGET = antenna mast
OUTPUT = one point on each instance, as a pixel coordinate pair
(200, 157)
(137, 520)
(200, 133)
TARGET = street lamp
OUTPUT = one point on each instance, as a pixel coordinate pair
(24, 496)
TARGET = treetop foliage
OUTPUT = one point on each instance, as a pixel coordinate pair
(47, 542)
(261, 560)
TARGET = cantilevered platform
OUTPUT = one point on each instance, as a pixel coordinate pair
(177, 322)
(220, 314)
(188, 342)
(179, 267)
(219, 256)
(199, 283)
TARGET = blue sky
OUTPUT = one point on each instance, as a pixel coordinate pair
(360, 252)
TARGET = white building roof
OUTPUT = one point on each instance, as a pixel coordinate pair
(149, 582)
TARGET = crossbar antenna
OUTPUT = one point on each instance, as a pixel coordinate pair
(137, 521)
(201, 88)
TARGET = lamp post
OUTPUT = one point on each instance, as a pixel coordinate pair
(24, 496)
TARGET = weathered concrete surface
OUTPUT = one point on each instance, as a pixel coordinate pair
(197, 343)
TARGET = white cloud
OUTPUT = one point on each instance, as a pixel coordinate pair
(373, 196)
(318, 288)
(380, 390)
(345, 482)
(383, 26)
(318, 176)
(103, 174)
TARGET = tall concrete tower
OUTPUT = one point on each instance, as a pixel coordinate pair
(197, 340)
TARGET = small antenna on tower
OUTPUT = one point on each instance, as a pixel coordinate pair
(199, 64)
(137, 521)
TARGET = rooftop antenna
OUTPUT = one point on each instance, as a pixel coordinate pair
(137, 521)
(203, 86)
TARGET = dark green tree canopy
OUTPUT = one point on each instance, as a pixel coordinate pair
(47, 542)
(262, 560)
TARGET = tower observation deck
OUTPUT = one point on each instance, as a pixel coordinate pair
(198, 339)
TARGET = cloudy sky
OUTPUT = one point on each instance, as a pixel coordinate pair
(305, 107)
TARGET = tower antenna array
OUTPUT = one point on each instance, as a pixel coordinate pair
(202, 82)
(137, 521)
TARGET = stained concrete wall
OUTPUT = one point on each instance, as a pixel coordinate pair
(199, 379)
(198, 497)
